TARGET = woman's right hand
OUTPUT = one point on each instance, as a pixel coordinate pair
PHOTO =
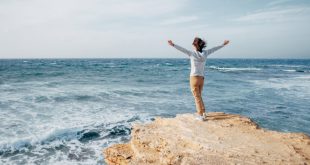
(170, 43)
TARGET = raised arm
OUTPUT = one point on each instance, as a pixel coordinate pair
(210, 51)
(185, 51)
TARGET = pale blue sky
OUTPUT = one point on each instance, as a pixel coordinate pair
(141, 28)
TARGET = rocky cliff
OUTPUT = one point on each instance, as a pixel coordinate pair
(222, 139)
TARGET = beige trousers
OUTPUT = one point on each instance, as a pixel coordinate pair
(196, 84)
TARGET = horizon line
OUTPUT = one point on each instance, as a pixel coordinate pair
(51, 58)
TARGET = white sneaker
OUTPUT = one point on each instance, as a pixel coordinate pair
(204, 115)
(199, 117)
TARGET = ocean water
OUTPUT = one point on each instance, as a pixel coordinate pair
(65, 111)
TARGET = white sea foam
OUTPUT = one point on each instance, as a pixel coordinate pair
(168, 64)
(49, 136)
(290, 66)
(307, 77)
(225, 69)
(297, 85)
(71, 138)
(289, 70)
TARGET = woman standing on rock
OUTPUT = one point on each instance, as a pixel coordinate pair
(198, 59)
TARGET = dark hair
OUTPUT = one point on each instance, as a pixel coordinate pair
(199, 44)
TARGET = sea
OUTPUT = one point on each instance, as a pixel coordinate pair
(66, 111)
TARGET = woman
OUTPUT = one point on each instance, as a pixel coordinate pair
(198, 59)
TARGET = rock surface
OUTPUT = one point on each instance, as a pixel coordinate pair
(222, 139)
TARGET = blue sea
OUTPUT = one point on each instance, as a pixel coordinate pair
(65, 111)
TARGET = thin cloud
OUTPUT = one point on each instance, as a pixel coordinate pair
(278, 2)
(275, 15)
(43, 14)
(178, 20)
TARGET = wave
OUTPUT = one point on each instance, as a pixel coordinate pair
(249, 69)
(294, 70)
(66, 98)
(295, 85)
(289, 70)
(60, 137)
(303, 77)
(227, 69)
(287, 65)
(168, 64)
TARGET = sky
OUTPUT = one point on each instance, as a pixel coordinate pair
(141, 28)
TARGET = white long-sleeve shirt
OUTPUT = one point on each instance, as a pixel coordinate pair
(198, 60)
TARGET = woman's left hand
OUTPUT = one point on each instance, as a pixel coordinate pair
(226, 42)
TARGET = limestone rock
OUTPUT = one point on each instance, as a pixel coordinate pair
(222, 139)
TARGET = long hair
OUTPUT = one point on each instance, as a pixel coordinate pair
(199, 44)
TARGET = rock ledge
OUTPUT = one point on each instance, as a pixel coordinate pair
(222, 139)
